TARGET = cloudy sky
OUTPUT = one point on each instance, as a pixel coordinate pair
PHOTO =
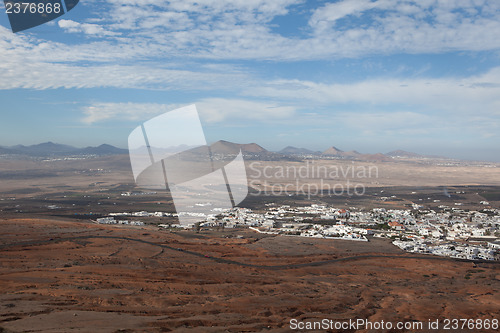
(368, 75)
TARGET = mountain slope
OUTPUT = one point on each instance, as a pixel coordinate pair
(103, 149)
(351, 153)
(46, 148)
(226, 147)
(290, 150)
(334, 151)
(55, 149)
(5, 151)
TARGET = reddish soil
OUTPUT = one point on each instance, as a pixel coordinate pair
(62, 276)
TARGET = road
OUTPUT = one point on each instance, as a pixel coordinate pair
(243, 264)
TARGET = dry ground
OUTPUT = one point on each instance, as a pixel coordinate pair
(68, 277)
(64, 276)
(25, 178)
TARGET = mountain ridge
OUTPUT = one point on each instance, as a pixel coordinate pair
(220, 147)
(334, 152)
(223, 146)
(290, 150)
(55, 149)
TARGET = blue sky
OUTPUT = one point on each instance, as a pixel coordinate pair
(368, 75)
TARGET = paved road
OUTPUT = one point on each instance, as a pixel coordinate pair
(243, 264)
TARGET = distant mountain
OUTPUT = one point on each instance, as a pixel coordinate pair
(333, 151)
(251, 151)
(403, 153)
(55, 149)
(297, 151)
(351, 153)
(103, 150)
(226, 147)
(47, 148)
(220, 148)
(5, 151)
(407, 154)
(253, 148)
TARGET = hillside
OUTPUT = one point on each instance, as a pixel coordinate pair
(403, 153)
(333, 151)
(226, 147)
(54, 149)
(290, 150)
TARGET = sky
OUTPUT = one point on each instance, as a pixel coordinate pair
(369, 75)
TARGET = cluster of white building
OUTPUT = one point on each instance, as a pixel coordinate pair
(111, 220)
(449, 249)
(309, 221)
(453, 233)
(142, 213)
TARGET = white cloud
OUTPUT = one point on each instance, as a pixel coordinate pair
(86, 28)
(241, 29)
(53, 76)
(99, 112)
(219, 109)
(153, 33)
(130, 31)
(394, 123)
(328, 14)
(458, 96)
(212, 110)
(139, 44)
(29, 63)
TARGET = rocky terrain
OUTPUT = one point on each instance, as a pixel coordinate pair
(69, 276)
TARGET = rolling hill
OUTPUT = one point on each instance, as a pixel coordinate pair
(290, 150)
(220, 148)
(54, 149)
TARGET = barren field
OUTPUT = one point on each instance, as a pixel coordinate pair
(408, 173)
(59, 272)
(27, 177)
(81, 187)
(68, 276)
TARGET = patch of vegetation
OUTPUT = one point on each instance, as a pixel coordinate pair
(492, 196)
(382, 226)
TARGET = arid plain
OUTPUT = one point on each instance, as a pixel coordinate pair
(60, 272)
(66, 276)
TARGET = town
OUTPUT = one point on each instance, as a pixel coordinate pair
(451, 232)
